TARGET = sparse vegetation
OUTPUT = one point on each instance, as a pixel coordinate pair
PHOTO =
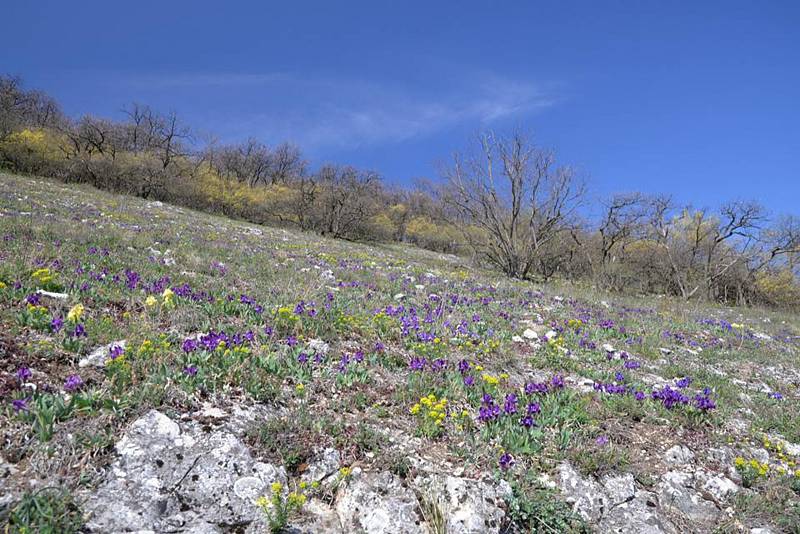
(394, 357)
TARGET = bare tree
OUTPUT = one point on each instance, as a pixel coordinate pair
(21, 108)
(513, 192)
(347, 199)
(160, 140)
(737, 227)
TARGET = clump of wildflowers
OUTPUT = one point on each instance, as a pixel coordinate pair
(506, 461)
(751, 470)
(74, 315)
(73, 383)
(23, 374)
(279, 507)
(168, 297)
(43, 276)
(431, 413)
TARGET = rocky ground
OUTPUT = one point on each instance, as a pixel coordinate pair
(168, 371)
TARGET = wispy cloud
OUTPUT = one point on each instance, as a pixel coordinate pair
(330, 113)
(372, 114)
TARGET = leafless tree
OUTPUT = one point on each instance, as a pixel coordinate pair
(21, 108)
(346, 200)
(513, 192)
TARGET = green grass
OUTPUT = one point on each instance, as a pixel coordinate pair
(282, 291)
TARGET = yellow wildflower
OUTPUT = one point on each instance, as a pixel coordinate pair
(276, 487)
(150, 301)
(169, 297)
(2, 285)
(415, 409)
(74, 315)
(490, 379)
(299, 388)
(42, 275)
(296, 499)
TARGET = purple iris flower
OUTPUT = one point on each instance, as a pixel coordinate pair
(73, 383)
(506, 461)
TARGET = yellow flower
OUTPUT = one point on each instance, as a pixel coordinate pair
(296, 499)
(345, 472)
(490, 379)
(303, 485)
(415, 409)
(315, 484)
(169, 297)
(42, 275)
(299, 388)
(74, 315)
(262, 502)
(479, 368)
(739, 461)
(2, 285)
(276, 487)
(150, 301)
(504, 376)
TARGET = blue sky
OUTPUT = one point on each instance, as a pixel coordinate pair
(700, 99)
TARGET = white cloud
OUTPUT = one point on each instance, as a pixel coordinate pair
(370, 114)
(345, 113)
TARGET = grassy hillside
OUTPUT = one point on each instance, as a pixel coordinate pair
(400, 359)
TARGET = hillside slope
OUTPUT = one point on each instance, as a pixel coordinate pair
(167, 370)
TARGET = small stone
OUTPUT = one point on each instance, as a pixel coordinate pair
(57, 296)
(318, 346)
(100, 355)
(530, 334)
(325, 464)
(720, 487)
(678, 455)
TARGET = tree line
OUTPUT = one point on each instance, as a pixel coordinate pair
(504, 201)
